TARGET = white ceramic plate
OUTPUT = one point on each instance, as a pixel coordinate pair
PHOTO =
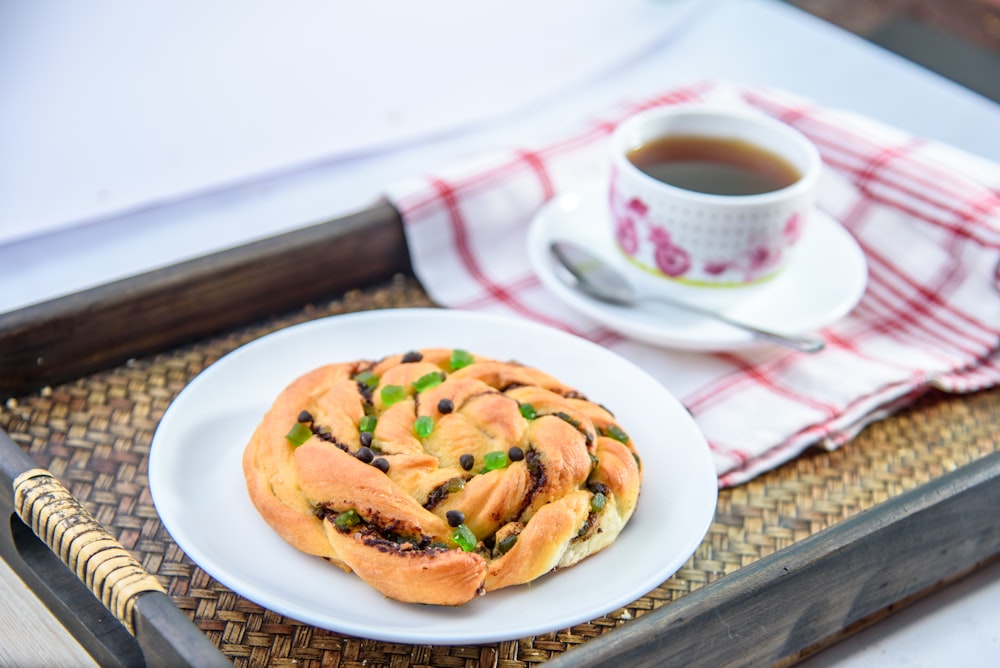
(822, 283)
(198, 488)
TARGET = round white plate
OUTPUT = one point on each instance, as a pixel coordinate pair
(198, 488)
(822, 283)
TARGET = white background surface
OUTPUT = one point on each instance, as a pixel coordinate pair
(148, 154)
(751, 41)
(127, 104)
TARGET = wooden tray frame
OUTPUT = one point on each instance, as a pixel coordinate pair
(70, 336)
(776, 608)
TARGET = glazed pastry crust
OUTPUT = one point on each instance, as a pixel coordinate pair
(564, 492)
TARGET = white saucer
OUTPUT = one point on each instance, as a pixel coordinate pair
(821, 284)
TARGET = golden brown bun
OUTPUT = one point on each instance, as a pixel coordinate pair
(322, 492)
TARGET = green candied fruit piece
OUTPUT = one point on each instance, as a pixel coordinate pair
(368, 379)
(298, 434)
(528, 411)
(424, 426)
(459, 359)
(428, 380)
(392, 394)
(598, 502)
(505, 544)
(464, 538)
(495, 460)
(615, 432)
(368, 423)
(347, 519)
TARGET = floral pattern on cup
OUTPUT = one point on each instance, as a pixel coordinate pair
(671, 259)
(631, 216)
(624, 215)
(753, 265)
(793, 229)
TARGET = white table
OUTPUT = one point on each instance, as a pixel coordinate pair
(752, 41)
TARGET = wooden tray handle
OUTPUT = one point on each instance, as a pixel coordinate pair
(72, 533)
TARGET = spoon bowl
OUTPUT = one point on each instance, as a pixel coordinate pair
(595, 278)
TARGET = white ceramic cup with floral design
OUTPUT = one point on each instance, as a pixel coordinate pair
(702, 246)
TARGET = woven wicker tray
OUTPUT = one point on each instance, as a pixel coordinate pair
(794, 559)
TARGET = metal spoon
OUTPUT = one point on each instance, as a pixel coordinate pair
(592, 276)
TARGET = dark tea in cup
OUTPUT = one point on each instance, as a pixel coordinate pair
(714, 165)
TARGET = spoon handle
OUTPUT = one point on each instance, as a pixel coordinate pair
(801, 343)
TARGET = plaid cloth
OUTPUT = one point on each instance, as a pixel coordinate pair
(927, 217)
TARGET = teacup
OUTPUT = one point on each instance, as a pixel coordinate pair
(708, 203)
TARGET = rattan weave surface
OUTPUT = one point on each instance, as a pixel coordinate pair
(94, 435)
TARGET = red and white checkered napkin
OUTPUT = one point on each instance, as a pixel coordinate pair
(927, 217)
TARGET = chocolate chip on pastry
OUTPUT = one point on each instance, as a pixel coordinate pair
(437, 476)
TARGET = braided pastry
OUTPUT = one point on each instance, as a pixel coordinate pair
(437, 475)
